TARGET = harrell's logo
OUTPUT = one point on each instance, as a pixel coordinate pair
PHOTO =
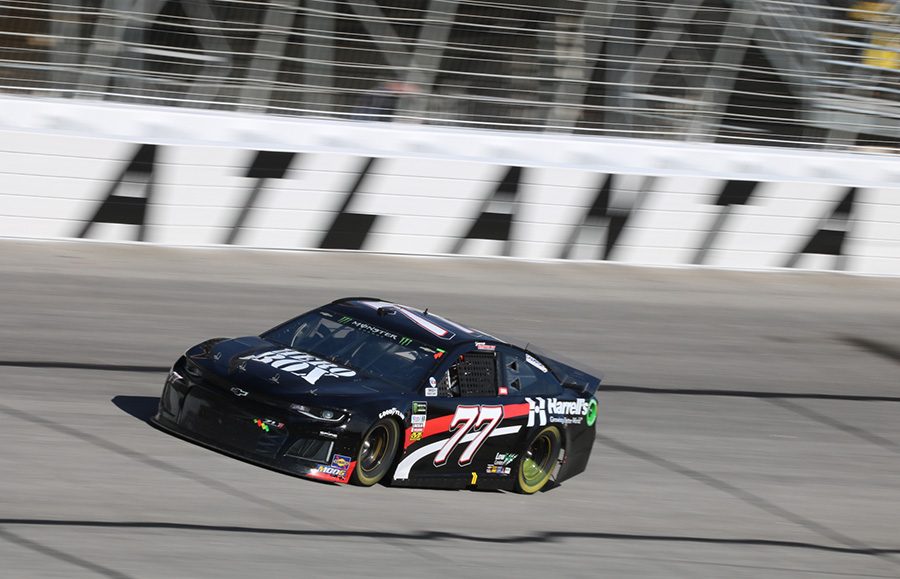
(539, 408)
(537, 411)
(297, 363)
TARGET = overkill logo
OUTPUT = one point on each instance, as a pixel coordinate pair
(559, 410)
(297, 363)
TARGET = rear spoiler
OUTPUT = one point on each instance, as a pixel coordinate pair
(566, 372)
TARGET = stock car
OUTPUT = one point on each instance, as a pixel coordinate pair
(363, 391)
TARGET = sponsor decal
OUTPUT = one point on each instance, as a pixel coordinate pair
(390, 412)
(332, 471)
(417, 421)
(504, 458)
(432, 381)
(338, 468)
(439, 354)
(267, 424)
(238, 392)
(537, 412)
(431, 392)
(483, 346)
(577, 407)
(327, 434)
(496, 469)
(565, 419)
(306, 366)
(276, 379)
(536, 363)
(591, 416)
(374, 330)
(503, 391)
(558, 411)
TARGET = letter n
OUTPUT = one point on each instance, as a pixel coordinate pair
(349, 230)
(732, 193)
(127, 198)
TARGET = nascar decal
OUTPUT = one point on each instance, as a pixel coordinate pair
(306, 366)
(535, 362)
(542, 410)
(418, 419)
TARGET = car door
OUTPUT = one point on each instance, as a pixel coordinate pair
(453, 425)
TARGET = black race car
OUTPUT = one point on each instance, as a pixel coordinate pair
(363, 390)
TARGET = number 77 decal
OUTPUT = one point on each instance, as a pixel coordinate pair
(466, 419)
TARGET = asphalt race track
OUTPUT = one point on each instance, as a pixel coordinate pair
(748, 426)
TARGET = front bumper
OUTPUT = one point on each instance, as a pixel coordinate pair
(256, 433)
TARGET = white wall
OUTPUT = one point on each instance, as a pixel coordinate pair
(61, 161)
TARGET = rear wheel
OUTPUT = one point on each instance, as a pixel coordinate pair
(539, 461)
(376, 453)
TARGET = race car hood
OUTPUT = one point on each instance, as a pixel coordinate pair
(272, 369)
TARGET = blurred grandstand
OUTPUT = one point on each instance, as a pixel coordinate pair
(810, 73)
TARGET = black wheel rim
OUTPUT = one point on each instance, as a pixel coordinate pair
(537, 460)
(374, 448)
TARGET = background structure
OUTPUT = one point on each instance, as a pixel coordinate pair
(810, 73)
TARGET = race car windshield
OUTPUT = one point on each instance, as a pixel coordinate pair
(363, 347)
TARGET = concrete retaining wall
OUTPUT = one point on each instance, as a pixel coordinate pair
(74, 169)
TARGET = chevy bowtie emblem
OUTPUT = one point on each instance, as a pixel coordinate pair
(238, 392)
(275, 379)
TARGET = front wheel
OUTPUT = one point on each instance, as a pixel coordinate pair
(539, 461)
(376, 453)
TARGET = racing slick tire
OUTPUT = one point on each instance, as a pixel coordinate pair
(539, 461)
(376, 453)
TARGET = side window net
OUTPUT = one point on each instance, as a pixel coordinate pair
(477, 374)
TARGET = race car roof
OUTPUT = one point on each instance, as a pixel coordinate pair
(431, 328)
(414, 323)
